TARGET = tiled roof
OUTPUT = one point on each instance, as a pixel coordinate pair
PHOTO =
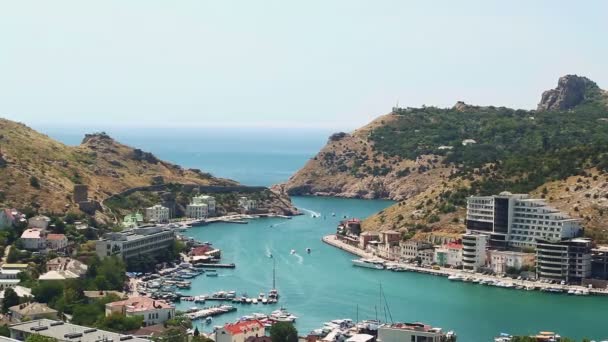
(55, 237)
(136, 304)
(244, 326)
(34, 308)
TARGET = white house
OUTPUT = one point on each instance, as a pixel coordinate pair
(56, 242)
(157, 213)
(153, 311)
(247, 204)
(34, 239)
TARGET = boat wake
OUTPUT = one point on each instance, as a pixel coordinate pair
(311, 212)
(278, 224)
(300, 258)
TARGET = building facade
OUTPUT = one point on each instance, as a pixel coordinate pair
(567, 260)
(518, 220)
(247, 204)
(153, 311)
(136, 241)
(240, 331)
(31, 311)
(34, 239)
(410, 249)
(449, 254)
(197, 210)
(500, 261)
(474, 251)
(208, 200)
(416, 332)
(56, 242)
(158, 213)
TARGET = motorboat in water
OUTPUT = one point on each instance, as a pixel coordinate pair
(368, 263)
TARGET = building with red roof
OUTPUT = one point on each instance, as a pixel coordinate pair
(153, 311)
(56, 241)
(240, 331)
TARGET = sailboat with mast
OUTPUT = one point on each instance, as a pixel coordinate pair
(273, 294)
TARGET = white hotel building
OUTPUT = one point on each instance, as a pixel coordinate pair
(517, 220)
(133, 242)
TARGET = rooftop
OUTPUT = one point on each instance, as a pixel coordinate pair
(55, 237)
(416, 326)
(32, 233)
(62, 331)
(102, 293)
(137, 304)
(33, 308)
(360, 338)
(244, 326)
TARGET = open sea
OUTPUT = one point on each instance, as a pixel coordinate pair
(324, 285)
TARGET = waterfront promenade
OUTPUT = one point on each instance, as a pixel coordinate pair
(446, 272)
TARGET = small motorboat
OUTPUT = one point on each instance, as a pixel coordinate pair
(208, 320)
(333, 214)
(308, 250)
(293, 251)
(211, 274)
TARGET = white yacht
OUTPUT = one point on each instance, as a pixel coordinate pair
(368, 263)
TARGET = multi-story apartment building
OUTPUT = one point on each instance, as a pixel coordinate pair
(411, 249)
(197, 210)
(34, 239)
(133, 242)
(158, 213)
(399, 332)
(567, 260)
(209, 201)
(517, 220)
(474, 250)
(599, 263)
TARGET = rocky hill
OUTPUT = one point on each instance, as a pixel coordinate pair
(39, 172)
(430, 159)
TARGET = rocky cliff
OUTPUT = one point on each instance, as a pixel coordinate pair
(430, 159)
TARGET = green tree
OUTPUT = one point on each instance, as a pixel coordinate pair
(48, 291)
(10, 299)
(4, 331)
(283, 332)
(40, 338)
(120, 323)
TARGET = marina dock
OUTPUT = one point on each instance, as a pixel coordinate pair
(214, 265)
(210, 312)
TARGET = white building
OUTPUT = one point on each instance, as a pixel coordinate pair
(56, 242)
(39, 221)
(247, 204)
(67, 332)
(568, 260)
(34, 239)
(517, 220)
(133, 242)
(157, 213)
(197, 209)
(62, 268)
(208, 200)
(474, 251)
(153, 311)
(410, 249)
(449, 254)
(240, 331)
(9, 278)
(417, 332)
(501, 261)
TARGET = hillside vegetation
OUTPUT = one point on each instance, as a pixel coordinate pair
(40, 173)
(430, 159)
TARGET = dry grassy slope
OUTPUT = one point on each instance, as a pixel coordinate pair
(322, 175)
(100, 162)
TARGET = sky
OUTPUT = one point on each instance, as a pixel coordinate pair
(335, 64)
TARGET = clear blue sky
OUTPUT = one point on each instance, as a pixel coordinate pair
(335, 64)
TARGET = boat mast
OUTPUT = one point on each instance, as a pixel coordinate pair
(274, 266)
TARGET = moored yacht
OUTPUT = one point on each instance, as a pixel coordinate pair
(368, 263)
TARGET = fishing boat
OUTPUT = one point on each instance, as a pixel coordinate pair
(368, 263)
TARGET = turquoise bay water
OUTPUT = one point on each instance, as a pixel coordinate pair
(324, 285)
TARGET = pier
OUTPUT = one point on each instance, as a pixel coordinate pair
(210, 312)
(214, 265)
